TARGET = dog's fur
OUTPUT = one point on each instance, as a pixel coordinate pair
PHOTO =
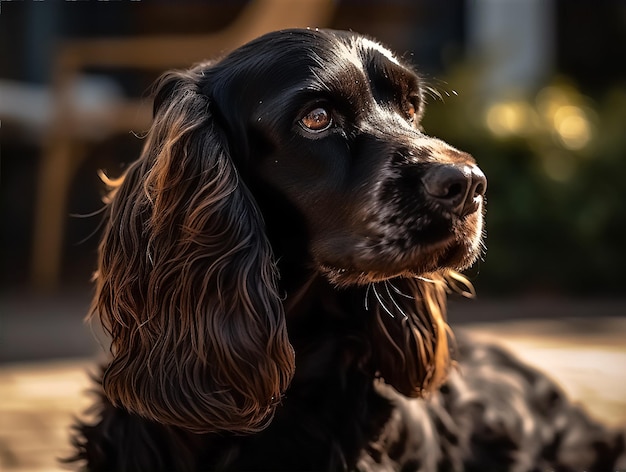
(273, 276)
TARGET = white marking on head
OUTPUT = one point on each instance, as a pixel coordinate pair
(368, 43)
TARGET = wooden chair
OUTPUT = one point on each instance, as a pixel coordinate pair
(64, 144)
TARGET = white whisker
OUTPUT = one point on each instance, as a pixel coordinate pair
(398, 307)
(380, 301)
(367, 294)
(399, 292)
(424, 279)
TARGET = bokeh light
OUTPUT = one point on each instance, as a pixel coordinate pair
(510, 118)
(572, 126)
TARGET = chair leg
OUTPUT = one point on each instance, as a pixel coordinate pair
(55, 174)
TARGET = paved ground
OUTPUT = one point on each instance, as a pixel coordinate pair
(46, 353)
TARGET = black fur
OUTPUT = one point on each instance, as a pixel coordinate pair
(366, 219)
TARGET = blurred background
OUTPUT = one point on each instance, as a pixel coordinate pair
(534, 89)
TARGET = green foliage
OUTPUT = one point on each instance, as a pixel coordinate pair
(556, 197)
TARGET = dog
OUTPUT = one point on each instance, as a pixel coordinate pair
(273, 275)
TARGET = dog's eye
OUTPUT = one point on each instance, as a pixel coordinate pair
(317, 120)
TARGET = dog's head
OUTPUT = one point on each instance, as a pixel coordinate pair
(302, 146)
(331, 121)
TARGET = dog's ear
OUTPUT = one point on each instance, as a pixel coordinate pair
(409, 334)
(186, 279)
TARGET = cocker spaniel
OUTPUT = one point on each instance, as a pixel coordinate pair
(274, 273)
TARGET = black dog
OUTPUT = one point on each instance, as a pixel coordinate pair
(273, 276)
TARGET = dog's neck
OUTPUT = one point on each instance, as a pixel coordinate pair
(311, 294)
(328, 323)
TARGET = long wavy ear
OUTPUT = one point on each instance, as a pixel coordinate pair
(186, 280)
(409, 331)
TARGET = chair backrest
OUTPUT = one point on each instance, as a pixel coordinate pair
(263, 16)
(166, 52)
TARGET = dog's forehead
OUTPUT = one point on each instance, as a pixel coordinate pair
(286, 68)
(294, 56)
(370, 46)
(349, 58)
(360, 50)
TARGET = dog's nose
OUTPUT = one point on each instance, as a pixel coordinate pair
(458, 188)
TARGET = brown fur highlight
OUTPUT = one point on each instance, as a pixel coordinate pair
(186, 282)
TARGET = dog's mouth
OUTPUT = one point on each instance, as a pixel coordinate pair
(360, 261)
(455, 257)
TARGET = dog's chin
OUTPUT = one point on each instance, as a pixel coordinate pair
(418, 263)
(348, 262)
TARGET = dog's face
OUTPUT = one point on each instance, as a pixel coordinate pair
(331, 123)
